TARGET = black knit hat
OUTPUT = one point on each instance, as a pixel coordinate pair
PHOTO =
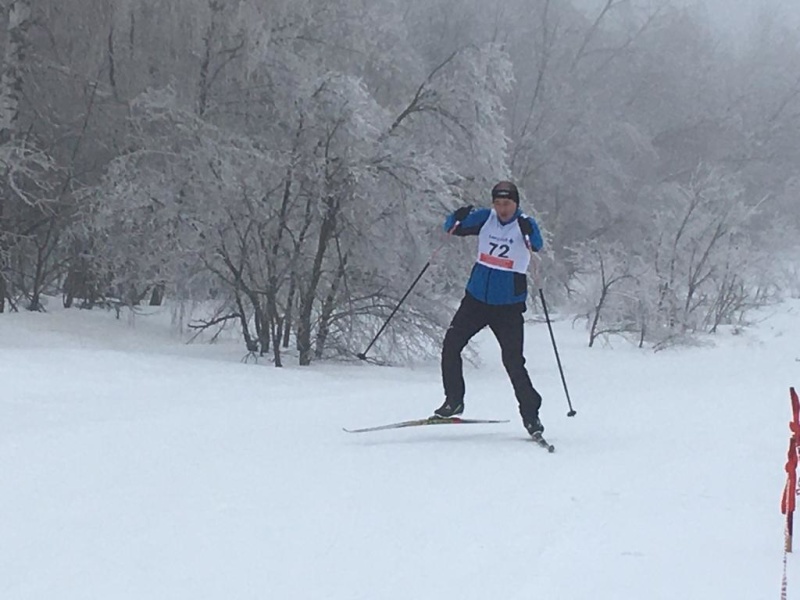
(506, 189)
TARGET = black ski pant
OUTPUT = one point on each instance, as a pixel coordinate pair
(506, 322)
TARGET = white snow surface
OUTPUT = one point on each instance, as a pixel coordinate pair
(134, 466)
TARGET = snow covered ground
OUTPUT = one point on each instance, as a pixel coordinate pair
(134, 466)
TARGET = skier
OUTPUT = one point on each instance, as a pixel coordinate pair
(495, 296)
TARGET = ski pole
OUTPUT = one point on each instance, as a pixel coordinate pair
(538, 282)
(363, 355)
(572, 411)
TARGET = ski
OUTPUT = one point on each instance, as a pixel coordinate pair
(427, 421)
(537, 437)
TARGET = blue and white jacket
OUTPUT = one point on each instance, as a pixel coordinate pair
(499, 274)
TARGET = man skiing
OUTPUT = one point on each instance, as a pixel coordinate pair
(495, 296)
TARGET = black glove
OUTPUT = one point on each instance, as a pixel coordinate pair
(524, 225)
(462, 213)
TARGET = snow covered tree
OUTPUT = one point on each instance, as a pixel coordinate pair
(308, 224)
(609, 305)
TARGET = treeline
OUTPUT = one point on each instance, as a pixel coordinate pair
(290, 161)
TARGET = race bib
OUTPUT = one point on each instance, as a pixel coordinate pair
(503, 246)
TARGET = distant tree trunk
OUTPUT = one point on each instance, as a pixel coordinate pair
(3, 255)
(239, 286)
(81, 281)
(310, 293)
(598, 309)
(275, 331)
(643, 316)
(295, 281)
(46, 272)
(249, 343)
(157, 295)
(68, 290)
(327, 310)
(112, 64)
(287, 319)
(35, 304)
(3, 285)
(19, 13)
(205, 65)
(263, 324)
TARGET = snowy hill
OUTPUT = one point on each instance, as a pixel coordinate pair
(134, 466)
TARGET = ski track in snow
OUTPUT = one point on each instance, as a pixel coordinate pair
(135, 466)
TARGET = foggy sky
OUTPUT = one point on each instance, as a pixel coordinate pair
(726, 16)
(737, 14)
